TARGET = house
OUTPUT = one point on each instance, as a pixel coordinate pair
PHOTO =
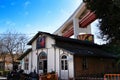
(26, 61)
(70, 58)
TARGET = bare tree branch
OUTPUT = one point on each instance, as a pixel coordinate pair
(13, 43)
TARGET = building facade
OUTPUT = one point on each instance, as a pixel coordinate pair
(69, 58)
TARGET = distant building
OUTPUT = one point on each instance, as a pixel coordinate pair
(70, 58)
(7, 65)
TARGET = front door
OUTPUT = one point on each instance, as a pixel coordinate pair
(64, 67)
(42, 62)
(44, 66)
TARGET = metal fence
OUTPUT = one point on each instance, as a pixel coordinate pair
(97, 77)
(90, 77)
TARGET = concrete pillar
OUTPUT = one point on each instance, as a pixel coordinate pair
(78, 30)
(76, 27)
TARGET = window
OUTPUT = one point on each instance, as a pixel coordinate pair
(26, 63)
(40, 42)
(64, 62)
(84, 63)
(40, 65)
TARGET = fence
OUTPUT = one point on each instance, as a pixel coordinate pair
(112, 77)
(84, 77)
(90, 77)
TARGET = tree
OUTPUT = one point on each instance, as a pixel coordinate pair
(108, 14)
(14, 43)
(2, 56)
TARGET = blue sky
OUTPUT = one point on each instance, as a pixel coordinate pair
(31, 16)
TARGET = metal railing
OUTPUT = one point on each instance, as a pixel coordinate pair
(90, 77)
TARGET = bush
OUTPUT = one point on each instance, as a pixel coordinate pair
(5, 73)
(1, 73)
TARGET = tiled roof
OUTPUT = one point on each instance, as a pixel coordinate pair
(60, 38)
(75, 46)
(86, 51)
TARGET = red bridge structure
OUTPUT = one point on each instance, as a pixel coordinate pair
(78, 23)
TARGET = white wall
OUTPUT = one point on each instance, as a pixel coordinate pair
(71, 66)
(57, 61)
(49, 42)
(34, 60)
(22, 64)
(59, 53)
(30, 61)
(78, 30)
(34, 45)
(53, 58)
(48, 50)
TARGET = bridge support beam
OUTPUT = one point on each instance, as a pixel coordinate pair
(78, 30)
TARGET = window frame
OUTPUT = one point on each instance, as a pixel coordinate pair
(26, 63)
(64, 62)
(41, 58)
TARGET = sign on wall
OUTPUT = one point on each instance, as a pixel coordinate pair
(86, 37)
(40, 42)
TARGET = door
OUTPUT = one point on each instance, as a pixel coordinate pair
(42, 62)
(64, 67)
(45, 66)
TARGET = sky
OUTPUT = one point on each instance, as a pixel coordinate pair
(30, 16)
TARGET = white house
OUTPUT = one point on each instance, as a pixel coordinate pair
(70, 58)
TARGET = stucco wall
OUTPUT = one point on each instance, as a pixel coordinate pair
(49, 50)
(59, 53)
(34, 60)
(53, 58)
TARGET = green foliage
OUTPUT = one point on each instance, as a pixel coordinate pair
(4, 73)
(108, 13)
(112, 48)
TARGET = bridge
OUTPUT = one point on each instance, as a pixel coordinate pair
(78, 23)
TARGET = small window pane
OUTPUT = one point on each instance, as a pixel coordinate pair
(64, 57)
(26, 66)
(66, 65)
(40, 66)
(43, 55)
(62, 65)
(26, 63)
